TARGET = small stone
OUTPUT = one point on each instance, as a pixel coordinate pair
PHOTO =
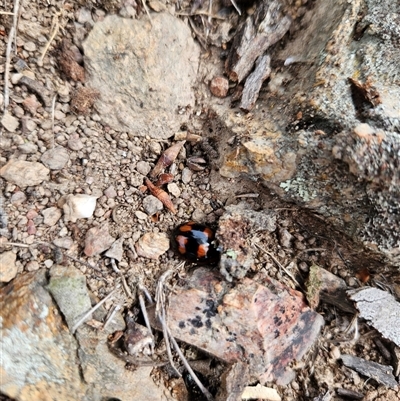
(84, 15)
(56, 158)
(27, 148)
(285, 238)
(155, 147)
(64, 242)
(31, 104)
(9, 122)
(140, 215)
(51, 215)
(23, 173)
(31, 228)
(152, 205)
(299, 245)
(186, 175)
(16, 77)
(8, 268)
(32, 265)
(110, 192)
(174, 190)
(143, 168)
(74, 142)
(77, 206)
(48, 263)
(18, 111)
(30, 125)
(152, 245)
(219, 86)
(17, 198)
(30, 46)
(98, 239)
(116, 251)
(335, 353)
(32, 214)
(59, 115)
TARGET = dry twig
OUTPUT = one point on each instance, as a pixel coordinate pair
(88, 313)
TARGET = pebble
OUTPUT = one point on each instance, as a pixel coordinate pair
(219, 86)
(56, 158)
(23, 173)
(9, 122)
(30, 46)
(116, 250)
(64, 242)
(48, 263)
(84, 15)
(31, 104)
(32, 266)
(152, 245)
(18, 111)
(30, 125)
(98, 239)
(299, 245)
(110, 192)
(51, 215)
(152, 205)
(155, 147)
(16, 77)
(27, 148)
(140, 215)
(143, 167)
(74, 142)
(8, 268)
(335, 353)
(285, 238)
(174, 189)
(17, 198)
(32, 214)
(31, 228)
(59, 115)
(186, 175)
(77, 206)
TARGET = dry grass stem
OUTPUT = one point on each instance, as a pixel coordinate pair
(110, 317)
(53, 35)
(161, 315)
(236, 7)
(15, 23)
(114, 266)
(88, 313)
(147, 11)
(7, 69)
(53, 107)
(189, 369)
(290, 275)
(146, 320)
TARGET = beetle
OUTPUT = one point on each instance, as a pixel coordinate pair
(196, 242)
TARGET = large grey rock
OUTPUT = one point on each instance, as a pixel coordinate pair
(38, 352)
(308, 140)
(42, 361)
(144, 72)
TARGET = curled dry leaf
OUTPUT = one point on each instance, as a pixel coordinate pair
(196, 163)
(164, 179)
(161, 195)
(167, 158)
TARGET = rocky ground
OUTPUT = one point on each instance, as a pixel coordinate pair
(97, 92)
